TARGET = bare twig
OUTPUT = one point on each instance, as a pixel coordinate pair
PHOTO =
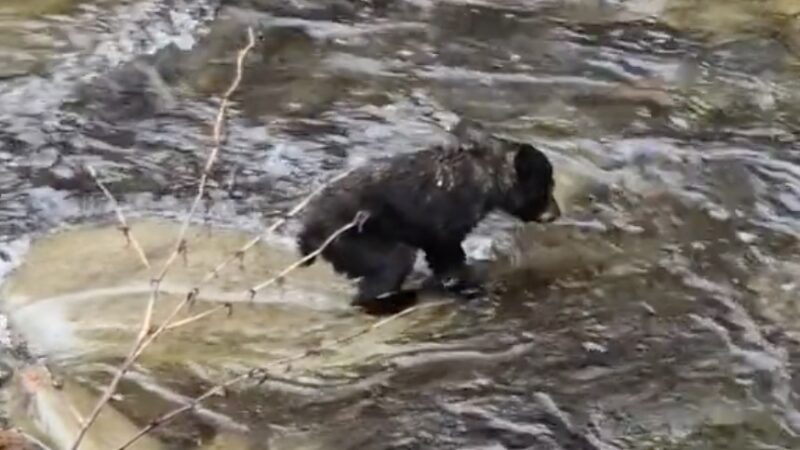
(210, 275)
(146, 340)
(259, 373)
(196, 317)
(145, 336)
(357, 221)
(123, 223)
(212, 156)
(148, 336)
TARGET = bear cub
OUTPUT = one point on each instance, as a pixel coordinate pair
(429, 200)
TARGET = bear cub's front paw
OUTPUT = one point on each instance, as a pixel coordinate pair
(467, 281)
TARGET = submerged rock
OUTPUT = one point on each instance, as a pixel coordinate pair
(80, 296)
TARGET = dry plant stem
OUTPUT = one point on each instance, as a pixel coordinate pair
(195, 318)
(262, 371)
(123, 223)
(278, 223)
(146, 340)
(131, 239)
(150, 338)
(123, 368)
(357, 221)
(145, 336)
(212, 156)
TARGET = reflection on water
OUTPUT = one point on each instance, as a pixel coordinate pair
(658, 314)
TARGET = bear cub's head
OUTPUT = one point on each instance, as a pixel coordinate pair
(531, 195)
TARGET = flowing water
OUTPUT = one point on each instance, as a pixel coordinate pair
(659, 313)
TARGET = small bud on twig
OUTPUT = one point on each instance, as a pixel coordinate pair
(191, 298)
(239, 255)
(126, 231)
(183, 250)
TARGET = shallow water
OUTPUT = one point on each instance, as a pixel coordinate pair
(658, 314)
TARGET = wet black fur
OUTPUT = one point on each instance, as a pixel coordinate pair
(429, 200)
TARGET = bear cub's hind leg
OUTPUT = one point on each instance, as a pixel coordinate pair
(381, 268)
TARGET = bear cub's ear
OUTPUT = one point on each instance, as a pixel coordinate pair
(531, 164)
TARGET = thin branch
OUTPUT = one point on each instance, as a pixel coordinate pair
(145, 337)
(212, 156)
(144, 341)
(259, 373)
(150, 336)
(123, 223)
(357, 221)
(197, 317)
(161, 328)
(123, 368)
(194, 292)
(210, 275)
